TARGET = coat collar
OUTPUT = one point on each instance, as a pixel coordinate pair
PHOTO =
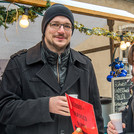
(78, 57)
(45, 73)
(34, 55)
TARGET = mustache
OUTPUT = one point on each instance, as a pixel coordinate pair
(60, 35)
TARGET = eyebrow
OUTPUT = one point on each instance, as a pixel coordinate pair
(60, 23)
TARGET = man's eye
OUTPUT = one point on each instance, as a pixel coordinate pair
(55, 25)
(67, 26)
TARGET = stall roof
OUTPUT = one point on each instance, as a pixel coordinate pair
(95, 7)
(86, 9)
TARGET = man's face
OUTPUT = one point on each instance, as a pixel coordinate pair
(57, 39)
(133, 69)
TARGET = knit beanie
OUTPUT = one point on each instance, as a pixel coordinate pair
(56, 10)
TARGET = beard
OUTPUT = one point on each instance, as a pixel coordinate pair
(54, 46)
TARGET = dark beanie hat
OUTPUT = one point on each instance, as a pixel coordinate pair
(56, 10)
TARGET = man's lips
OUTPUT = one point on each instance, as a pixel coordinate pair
(60, 37)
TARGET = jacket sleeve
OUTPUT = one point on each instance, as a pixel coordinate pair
(14, 110)
(95, 100)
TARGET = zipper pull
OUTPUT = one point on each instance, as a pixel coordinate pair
(59, 59)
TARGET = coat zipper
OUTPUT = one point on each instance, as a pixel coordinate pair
(58, 62)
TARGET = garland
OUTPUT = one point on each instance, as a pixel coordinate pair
(12, 15)
(127, 36)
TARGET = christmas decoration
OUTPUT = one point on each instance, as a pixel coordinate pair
(128, 36)
(117, 69)
(12, 15)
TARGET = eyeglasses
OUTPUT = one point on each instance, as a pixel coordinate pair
(56, 26)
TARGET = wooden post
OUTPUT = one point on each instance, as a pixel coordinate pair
(110, 24)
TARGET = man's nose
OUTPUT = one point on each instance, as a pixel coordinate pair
(61, 29)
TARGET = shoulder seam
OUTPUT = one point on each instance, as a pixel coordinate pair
(18, 53)
(84, 55)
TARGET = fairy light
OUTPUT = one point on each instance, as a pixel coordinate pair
(24, 23)
(123, 45)
(128, 43)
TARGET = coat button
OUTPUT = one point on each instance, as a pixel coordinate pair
(62, 132)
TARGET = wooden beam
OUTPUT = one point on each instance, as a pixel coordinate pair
(78, 10)
(40, 3)
(95, 49)
(99, 49)
(100, 14)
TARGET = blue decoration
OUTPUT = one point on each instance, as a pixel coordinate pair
(117, 66)
(124, 71)
(109, 77)
(117, 60)
(117, 69)
(112, 73)
(121, 65)
(122, 75)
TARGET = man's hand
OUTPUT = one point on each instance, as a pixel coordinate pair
(111, 129)
(59, 105)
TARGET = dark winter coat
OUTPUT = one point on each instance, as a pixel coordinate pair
(130, 116)
(27, 85)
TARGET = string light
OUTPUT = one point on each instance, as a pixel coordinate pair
(123, 44)
(33, 13)
(24, 23)
(128, 43)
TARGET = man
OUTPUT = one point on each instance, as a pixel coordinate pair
(129, 124)
(32, 92)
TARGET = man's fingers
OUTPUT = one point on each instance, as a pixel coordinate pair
(66, 109)
(63, 98)
(59, 105)
(110, 125)
(111, 131)
(64, 113)
(123, 125)
(62, 101)
(64, 104)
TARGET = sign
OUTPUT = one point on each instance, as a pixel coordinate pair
(82, 115)
(120, 92)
